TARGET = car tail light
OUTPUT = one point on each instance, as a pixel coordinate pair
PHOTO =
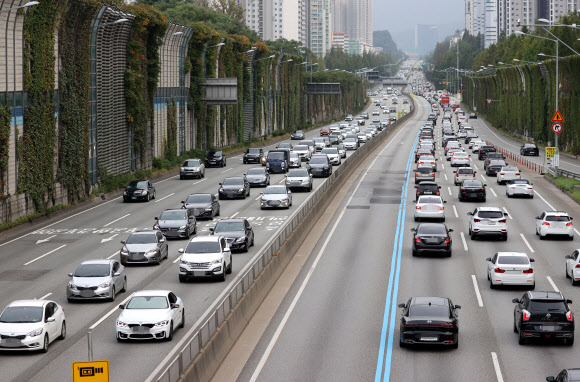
(418, 207)
(462, 189)
(418, 192)
(545, 223)
(569, 224)
(502, 221)
(569, 316)
(442, 208)
(437, 193)
(474, 175)
(457, 175)
(499, 270)
(416, 174)
(447, 240)
(501, 173)
(432, 174)
(526, 315)
(417, 240)
(531, 270)
(483, 189)
(517, 173)
(476, 220)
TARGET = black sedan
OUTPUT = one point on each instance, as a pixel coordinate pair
(234, 187)
(176, 223)
(429, 321)
(566, 375)
(484, 150)
(530, 149)
(472, 116)
(494, 166)
(253, 155)
(258, 177)
(215, 159)
(297, 135)
(238, 233)
(204, 206)
(139, 190)
(432, 237)
(319, 165)
(427, 188)
(472, 189)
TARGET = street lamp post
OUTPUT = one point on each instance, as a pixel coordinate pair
(30, 3)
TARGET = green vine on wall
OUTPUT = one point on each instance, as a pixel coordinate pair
(36, 158)
(170, 144)
(5, 117)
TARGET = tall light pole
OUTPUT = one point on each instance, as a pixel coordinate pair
(30, 3)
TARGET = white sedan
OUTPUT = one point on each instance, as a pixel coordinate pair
(31, 325)
(459, 159)
(150, 314)
(430, 207)
(507, 174)
(519, 187)
(573, 267)
(510, 268)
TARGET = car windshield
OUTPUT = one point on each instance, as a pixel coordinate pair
(339, 147)
(510, 169)
(429, 311)
(430, 199)
(508, 259)
(298, 173)
(192, 163)
(276, 156)
(233, 181)
(253, 151)
(307, 143)
(256, 171)
(329, 151)
(318, 160)
(173, 215)
(138, 184)
(214, 154)
(301, 148)
(142, 238)
(472, 183)
(21, 314)
(148, 302)
(427, 187)
(298, 132)
(530, 146)
(229, 226)
(284, 146)
(424, 170)
(490, 214)
(499, 163)
(203, 247)
(546, 306)
(319, 140)
(275, 190)
(93, 270)
(553, 218)
(465, 171)
(432, 229)
(520, 181)
(198, 199)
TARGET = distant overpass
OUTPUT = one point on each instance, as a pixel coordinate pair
(394, 81)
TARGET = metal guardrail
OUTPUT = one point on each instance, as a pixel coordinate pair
(219, 310)
(565, 173)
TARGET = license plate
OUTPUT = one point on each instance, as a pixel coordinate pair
(133, 197)
(548, 328)
(140, 329)
(199, 273)
(11, 342)
(491, 223)
(427, 193)
(429, 339)
(87, 293)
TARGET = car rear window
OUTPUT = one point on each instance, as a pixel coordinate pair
(425, 170)
(253, 151)
(429, 310)
(465, 171)
(506, 259)
(429, 199)
(546, 306)
(472, 183)
(275, 156)
(431, 229)
(552, 218)
(490, 214)
(520, 181)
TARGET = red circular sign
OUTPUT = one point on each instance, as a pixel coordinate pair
(557, 127)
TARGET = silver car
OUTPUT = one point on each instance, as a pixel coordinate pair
(276, 196)
(333, 155)
(192, 167)
(302, 151)
(144, 247)
(96, 279)
(350, 144)
(295, 160)
(299, 178)
(319, 144)
(341, 150)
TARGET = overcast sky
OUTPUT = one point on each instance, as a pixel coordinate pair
(399, 17)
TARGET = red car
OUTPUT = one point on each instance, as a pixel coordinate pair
(325, 131)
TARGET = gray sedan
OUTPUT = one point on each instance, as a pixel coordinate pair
(299, 178)
(275, 197)
(144, 247)
(96, 279)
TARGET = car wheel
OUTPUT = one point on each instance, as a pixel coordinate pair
(123, 263)
(169, 336)
(491, 285)
(455, 345)
(148, 199)
(245, 249)
(473, 236)
(448, 254)
(542, 237)
(154, 194)
(112, 298)
(570, 341)
(522, 340)
(222, 277)
(158, 261)
(62, 331)
(119, 339)
(415, 252)
(231, 266)
(402, 344)
(504, 237)
(533, 286)
(45, 344)
(571, 238)
(415, 218)
(488, 278)
(180, 177)
(203, 174)
(124, 285)
(251, 245)
(182, 323)
(218, 212)
(515, 327)
(182, 278)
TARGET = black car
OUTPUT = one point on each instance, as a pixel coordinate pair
(258, 177)
(234, 187)
(529, 149)
(472, 116)
(238, 233)
(543, 315)
(319, 165)
(492, 156)
(494, 166)
(139, 190)
(176, 223)
(253, 155)
(429, 321)
(566, 375)
(484, 150)
(215, 159)
(298, 134)
(432, 237)
(427, 188)
(204, 206)
(472, 189)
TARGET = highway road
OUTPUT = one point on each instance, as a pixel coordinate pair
(340, 321)
(35, 265)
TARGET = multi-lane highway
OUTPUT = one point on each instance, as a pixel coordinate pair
(35, 265)
(340, 321)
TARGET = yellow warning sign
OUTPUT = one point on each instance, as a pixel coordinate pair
(557, 117)
(94, 371)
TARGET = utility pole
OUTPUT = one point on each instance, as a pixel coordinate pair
(457, 67)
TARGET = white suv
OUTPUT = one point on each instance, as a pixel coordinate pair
(464, 173)
(205, 256)
(507, 174)
(554, 223)
(489, 221)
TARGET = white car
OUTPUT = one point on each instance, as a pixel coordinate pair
(573, 267)
(459, 159)
(302, 151)
(473, 142)
(343, 125)
(475, 147)
(333, 155)
(510, 268)
(150, 315)
(428, 160)
(430, 207)
(507, 174)
(350, 144)
(519, 187)
(376, 112)
(334, 128)
(205, 256)
(488, 221)
(464, 173)
(554, 223)
(452, 151)
(31, 325)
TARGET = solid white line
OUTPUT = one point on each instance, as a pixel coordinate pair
(176, 260)
(483, 177)
(552, 283)
(477, 294)
(165, 197)
(528, 244)
(455, 211)
(116, 220)
(506, 211)
(116, 308)
(545, 201)
(445, 176)
(449, 189)
(493, 192)
(46, 254)
(496, 367)
(474, 166)
(464, 242)
(199, 181)
(259, 196)
(231, 217)
(577, 233)
(229, 169)
(113, 255)
(45, 296)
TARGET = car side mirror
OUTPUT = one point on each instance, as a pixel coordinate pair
(122, 306)
(182, 202)
(571, 218)
(488, 259)
(123, 242)
(470, 213)
(174, 306)
(289, 191)
(402, 305)
(71, 274)
(220, 184)
(537, 218)
(156, 218)
(117, 274)
(413, 229)
(532, 260)
(457, 306)
(212, 229)
(445, 201)
(450, 230)
(568, 301)
(439, 187)
(516, 301)
(567, 257)
(454, 171)
(50, 319)
(550, 379)
(262, 193)
(180, 250)
(485, 184)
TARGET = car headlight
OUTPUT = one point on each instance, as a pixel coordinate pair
(105, 285)
(208, 209)
(182, 228)
(183, 262)
(124, 192)
(218, 261)
(162, 323)
(221, 189)
(151, 252)
(124, 251)
(71, 285)
(326, 167)
(240, 239)
(181, 169)
(144, 192)
(241, 190)
(305, 181)
(35, 332)
(156, 226)
(121, 324)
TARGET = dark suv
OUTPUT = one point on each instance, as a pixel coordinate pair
(492, 156)
(215, 159)
(427, 188)
(529, 149)
(494, 166)
(484, 150)
(253, 155)
(543, 315)
(472, 189)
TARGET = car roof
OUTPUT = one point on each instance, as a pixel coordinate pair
(489, 209)
(151, 292)
(427, 183)
(206, 238)
(29, 303)
(521, 254)
(442, 301)
(556, 213)
(240, 220)
(99, 261)
(143, 232)
(545, 295)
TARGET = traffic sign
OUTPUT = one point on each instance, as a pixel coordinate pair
(557, 117)
(557, 127)
(489, 101)
(94, 371)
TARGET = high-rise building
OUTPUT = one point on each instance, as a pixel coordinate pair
(274, 19)
(426, 37)
(319, 38)
(491, 23)
(354, 18)
(475, 17)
